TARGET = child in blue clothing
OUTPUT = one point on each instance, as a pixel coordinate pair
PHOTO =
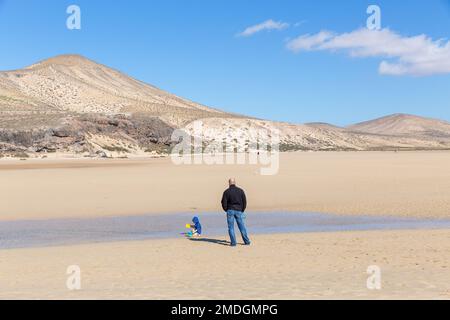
(196, 227)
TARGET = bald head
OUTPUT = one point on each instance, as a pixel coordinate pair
(232, 182)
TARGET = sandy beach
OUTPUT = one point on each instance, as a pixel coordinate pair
(413, 264)
(134, 136)
(364, 183)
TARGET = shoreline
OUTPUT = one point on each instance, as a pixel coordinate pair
(69, 232)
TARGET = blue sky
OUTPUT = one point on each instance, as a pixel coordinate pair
(192, 48)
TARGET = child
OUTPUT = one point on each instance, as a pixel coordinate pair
(196, 227)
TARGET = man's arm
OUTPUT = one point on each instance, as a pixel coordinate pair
(224, 202)
(244, 201)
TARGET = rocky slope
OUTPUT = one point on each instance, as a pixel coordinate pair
(73, 105)
(316, 137)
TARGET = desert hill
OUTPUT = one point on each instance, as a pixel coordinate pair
(403, 125)
(72, 105)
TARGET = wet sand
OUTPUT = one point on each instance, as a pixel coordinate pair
(59, 232)
(413, 184)
(414, 265)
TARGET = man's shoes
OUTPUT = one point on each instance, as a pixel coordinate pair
(233, 245)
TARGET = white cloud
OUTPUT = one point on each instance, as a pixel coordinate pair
(418, 55)
(309, 42)
(266, 25)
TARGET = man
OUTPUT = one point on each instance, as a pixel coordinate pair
(234, 203)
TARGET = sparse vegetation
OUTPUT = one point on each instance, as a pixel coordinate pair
(21, 155)
(158, 149)
(115, 148)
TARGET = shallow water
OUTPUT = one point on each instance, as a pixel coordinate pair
(44, 233)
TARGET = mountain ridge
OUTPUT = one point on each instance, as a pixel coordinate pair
(74, 105)
(73, 83)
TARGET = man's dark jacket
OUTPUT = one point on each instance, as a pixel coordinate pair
(234, 199)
